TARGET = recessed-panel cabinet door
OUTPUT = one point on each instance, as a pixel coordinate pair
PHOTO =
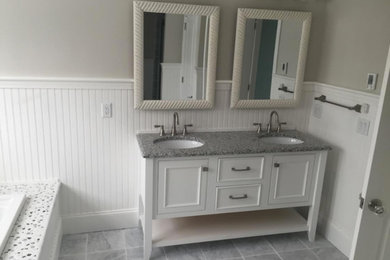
(291, 178)
(182, 186)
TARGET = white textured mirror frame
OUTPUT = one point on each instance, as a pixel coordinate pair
(246, 13)
(172, 8)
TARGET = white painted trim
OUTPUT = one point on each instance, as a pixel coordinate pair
(69, 79)
(139, 7)
(99, 221)
(247, 13)
(335, 235)
(66, 84)
(317, 86)
(224, 81)
(122, 83)
(55, 250)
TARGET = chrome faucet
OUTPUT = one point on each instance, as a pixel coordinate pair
(278, 123)
(175, 123)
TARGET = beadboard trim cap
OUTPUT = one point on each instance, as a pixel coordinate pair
(128, 84)
(318, 86)
(100, 221)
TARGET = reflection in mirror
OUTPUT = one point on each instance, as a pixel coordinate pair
(270, 59)
(175, 56)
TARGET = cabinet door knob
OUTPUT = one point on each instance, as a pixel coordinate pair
(276, 165)
(205, 169)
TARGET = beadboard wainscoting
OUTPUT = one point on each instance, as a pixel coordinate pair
(347, 160)
(52, 128)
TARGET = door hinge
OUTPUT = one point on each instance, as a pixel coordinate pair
(361, 201)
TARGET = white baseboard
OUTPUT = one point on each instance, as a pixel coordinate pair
(335, 235)
(99, 221)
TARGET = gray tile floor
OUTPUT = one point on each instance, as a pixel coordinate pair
(126, 244)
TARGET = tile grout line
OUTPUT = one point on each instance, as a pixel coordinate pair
(203, 254)
(277, 253)
(86, 247)
(238, 250)
(124, 242)
(310, 249)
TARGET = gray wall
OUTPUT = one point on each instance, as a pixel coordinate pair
(93, 38)
(356, 41)
(173, 38)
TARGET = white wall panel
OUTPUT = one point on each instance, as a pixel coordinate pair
(347, 160)
(54, 129)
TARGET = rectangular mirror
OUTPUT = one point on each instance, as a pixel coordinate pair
(269, 58)
(175, 55)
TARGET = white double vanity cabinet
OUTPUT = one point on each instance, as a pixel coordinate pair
(235, 185)
(223, 185)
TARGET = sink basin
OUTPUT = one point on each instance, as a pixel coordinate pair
(281, 140)
(178, 143)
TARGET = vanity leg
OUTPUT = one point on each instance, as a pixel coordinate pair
(312, 219)
(148, 208)
(147, 248)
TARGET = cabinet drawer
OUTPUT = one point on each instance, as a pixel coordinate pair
(238, 196)
(240, 169)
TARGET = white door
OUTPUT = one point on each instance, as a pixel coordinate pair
(182, 186)
(291, 178)
(190, 51)
(372, 232)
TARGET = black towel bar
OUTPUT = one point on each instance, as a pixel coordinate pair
(285, 89)
(357, 107)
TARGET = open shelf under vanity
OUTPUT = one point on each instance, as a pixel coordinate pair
(185, 230)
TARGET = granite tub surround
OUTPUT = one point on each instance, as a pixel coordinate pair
(228, 143)
(28, 235)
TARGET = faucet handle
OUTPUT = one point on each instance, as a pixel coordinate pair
(162, 132)
(280, 126)
(185, 131)
(258, 127)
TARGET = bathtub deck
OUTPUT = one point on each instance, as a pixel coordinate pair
(28, 234)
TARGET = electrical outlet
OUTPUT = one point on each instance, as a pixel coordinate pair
(107, 110)
(363, 126)
(317, 110)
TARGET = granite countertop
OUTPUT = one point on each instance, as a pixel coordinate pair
(26, 238)
(228, 143)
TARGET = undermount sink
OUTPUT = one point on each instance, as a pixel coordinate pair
(281, 140)
(178, 143)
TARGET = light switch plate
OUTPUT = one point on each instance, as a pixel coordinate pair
(365, 108)
(371, 81)
(363, 126)
(317, 110)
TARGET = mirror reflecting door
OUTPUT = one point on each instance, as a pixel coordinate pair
(269, 58)
(175, 54)
(271, 49)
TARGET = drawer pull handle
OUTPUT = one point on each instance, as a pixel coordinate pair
(241, 170)
(276, 165)
(238, 197)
